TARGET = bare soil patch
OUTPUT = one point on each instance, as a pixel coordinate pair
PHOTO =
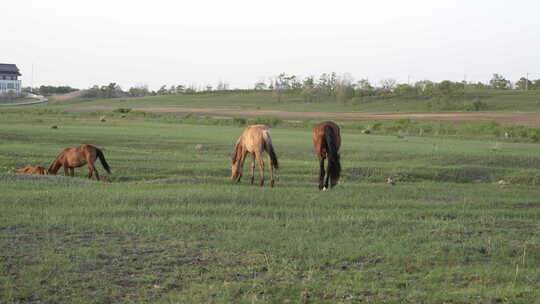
(64, 97)
(506, 118)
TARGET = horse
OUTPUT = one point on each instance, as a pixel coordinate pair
(255, 140)
(76, 157)
(33, 170)
(327, 141)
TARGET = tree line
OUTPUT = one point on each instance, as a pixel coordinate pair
(326, 86)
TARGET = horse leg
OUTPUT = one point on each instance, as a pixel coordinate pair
(271, 167)
(72, 172)
(321, 173)
(261, 166)
(327, 179)
(66, 169)
(93, 169)
(253, 168)
(240, 165)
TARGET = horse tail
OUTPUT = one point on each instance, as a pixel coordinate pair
(270, 149)
(104, 163)
(334, 165)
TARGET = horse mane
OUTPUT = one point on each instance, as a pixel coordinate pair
(53, 164)
(334, 164)
(237, 152)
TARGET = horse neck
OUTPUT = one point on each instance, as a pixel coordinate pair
(55, 166)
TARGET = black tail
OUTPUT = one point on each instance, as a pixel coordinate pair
(334, 165)
(103, 161)
(270, 149)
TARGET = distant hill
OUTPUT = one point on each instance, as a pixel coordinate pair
(487, 100)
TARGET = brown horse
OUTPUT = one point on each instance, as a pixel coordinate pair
(326, 142)
(33, 170)
(76, 157)
(255, 140)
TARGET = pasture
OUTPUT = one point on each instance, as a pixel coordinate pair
(172, 227)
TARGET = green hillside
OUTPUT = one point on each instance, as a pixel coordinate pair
(489, 100)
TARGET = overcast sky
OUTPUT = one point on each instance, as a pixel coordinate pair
(81, 43)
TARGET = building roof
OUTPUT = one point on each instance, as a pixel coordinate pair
(6, 68)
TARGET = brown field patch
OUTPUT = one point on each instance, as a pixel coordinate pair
(505, 118)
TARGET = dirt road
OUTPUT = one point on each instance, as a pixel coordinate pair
(506, 118)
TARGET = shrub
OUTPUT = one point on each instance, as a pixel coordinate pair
(270, 121)
(122, 110)
(477, 105)
(239, 121)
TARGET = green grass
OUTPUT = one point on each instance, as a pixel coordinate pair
(496, 100)
(15, 100)
(172, 228)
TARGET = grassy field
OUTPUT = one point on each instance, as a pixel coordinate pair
(172, 228)
(496, 100)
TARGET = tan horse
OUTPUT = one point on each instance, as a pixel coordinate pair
(255, 140)
(76, 157)
(33, 170)
(326, 142)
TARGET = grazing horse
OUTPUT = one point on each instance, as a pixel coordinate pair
(255, 140)
(326, 142)
(76, 157)
(33, 170)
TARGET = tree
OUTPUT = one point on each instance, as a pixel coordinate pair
(163, 90)
(222, 86)
(309, 81)
(180, 89)
(536, 85)
(344, 92)
(192, 89)
(309, 93)
(260, 85)
(387, 86)
(499, 82)
(524, 84)
(327, 83)
(344, 88)
(404, 89)
(365, 88)
(139, 90)
(363, 84)
(278, 91)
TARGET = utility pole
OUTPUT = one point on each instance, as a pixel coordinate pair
(464, 87)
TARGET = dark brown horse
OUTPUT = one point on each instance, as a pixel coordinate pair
(76, 157)
(326, 142)
(255, 140)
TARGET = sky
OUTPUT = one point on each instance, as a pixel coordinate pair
(157, 42)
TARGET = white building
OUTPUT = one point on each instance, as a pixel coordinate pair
(9, 82)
